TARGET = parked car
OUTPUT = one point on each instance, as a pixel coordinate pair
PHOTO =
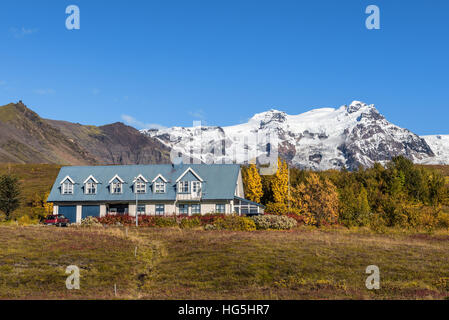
(56, 220)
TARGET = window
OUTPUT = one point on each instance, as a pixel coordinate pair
(67, 187)
(159, 187)
(91, 188)
(196, 209)
(160, 209)
(183, 187)
(220, 208)
(183, 209)
(196, 187)
(141, 209)
(140, 186)
(253, 209)
(116, 187)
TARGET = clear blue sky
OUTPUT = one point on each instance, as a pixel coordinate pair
(171, 62)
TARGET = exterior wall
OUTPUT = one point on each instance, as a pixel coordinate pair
(102, 210)
(132, 209)
(171, 207)
(239, 190)
(210, 206)
(150, 207)
(78, 213)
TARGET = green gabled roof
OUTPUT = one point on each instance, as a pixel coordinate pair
(219, 181)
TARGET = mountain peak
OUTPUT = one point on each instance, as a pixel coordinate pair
(271, 115)
(320, 139)
(357, 106)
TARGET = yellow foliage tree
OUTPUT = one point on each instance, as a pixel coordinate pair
(254, 191)
(318, 199)
(279, 185)
(48, 205)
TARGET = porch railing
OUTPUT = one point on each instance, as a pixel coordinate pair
(189, 196)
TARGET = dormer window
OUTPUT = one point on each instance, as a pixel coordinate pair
(159, 187)
(183, 187)
(91, 188)
(67, 186)
(90, 185)
(159, 184)
(116, 185)
(140, 185)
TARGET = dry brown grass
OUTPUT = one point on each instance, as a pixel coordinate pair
(196, 264)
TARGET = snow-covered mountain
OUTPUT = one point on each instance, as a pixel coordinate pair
(440, 147)
(320, 139)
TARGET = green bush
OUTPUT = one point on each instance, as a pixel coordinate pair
(209, 227)
(235, 223)
(188, 223)
(90, 222)
(271, 222)
(165, 222)
(26, 220)
(443, 220)
(377, 223)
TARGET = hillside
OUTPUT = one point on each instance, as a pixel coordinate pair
(27, 138)
(115, 143)
(35, 180)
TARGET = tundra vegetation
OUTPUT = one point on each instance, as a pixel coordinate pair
(397, 195)
(174, 263)
(315, 243)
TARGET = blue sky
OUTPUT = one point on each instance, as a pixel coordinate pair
(172, 62)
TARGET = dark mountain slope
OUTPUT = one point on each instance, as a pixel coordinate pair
(115, 143)
(27, 138)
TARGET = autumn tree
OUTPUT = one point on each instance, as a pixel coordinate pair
(9, 194)
(279, 184)
(253, 182)
(318, 198)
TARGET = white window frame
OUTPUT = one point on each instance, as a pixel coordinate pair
(140, 206)
(185, 207)
(196, 185)
(220, 204)
(156, 211)
(115, 186)
(140, 186)
(89, 186)
(198, 205)
(67, 187)
(159, 187)
(181, 185)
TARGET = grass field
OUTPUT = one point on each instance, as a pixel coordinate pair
(34, 179)
(195, 264)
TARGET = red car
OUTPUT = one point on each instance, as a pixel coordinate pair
(59, 221)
